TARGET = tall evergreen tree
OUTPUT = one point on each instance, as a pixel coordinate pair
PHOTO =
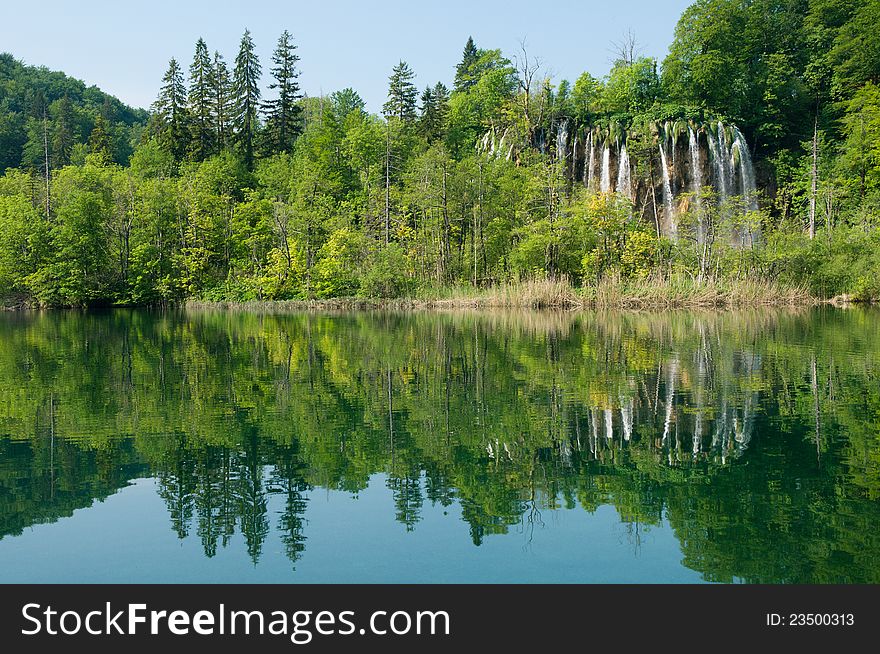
(464, 72)
(402, 94)
(200, 101)
(63, 134)
(171, 113)
(435, 102)
(99, 140)
(246, 92)
(220, 85)
(283, 121)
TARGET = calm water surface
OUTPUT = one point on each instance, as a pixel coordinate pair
(140, 446)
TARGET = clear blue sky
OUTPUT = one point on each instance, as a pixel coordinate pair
(124, 47)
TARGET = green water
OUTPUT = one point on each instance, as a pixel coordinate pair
(140, 446)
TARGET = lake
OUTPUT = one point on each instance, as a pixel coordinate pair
(211, 446)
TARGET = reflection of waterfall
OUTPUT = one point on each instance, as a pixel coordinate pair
(670, 396)
(624, 183)
(667, 193)
(605, 180)
(626, 417)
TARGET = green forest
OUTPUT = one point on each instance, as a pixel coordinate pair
(750, 153)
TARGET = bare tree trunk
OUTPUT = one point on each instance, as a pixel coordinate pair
(46, 153)
(387, 182)
(814, 174)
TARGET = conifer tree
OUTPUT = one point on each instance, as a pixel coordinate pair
(200, 97)
(246, 93)
(63, 135)
(464, 72)
(402, 94)
(435, 101)
(99, 140)
(171, 114)
(220, 85)
(283, 120)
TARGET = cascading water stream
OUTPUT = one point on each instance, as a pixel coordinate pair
(747, 171)
(668, 207)
(624, 180)
(696, 177)
(605, 179)
(561, 140)
(696, 167)
(591, 163)
(722, 162)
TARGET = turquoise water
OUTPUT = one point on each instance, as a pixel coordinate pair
(140, 446)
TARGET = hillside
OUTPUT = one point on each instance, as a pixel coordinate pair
(71, 109)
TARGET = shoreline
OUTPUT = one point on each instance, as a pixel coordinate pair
(651, 295)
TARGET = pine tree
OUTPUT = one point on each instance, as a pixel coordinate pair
(220, 87)
(464, 72)
(402, 94)
(435, 102)
(246, 92)
(63, 135)
(99, 140)
(170, 109)
(283, 120)
(200, 101)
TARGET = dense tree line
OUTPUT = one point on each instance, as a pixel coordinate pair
(45, 115)
(233, 195)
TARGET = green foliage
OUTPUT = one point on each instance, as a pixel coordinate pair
(72, 109)
(302, 198)
(386, 273)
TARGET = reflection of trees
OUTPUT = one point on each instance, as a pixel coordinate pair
(740, 428)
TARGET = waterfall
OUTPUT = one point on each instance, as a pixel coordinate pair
(747, 171)
(696, 169)
(591, 163)
(574, 153)
(605, 180)
(609, 425)
(696, 177)
(722, 156)
(667, 192)
(624, 181)
(561, 140)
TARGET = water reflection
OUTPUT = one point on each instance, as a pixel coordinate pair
(754, 435)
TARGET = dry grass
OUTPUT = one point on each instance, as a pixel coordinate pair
(682, 291)
(610, 293)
